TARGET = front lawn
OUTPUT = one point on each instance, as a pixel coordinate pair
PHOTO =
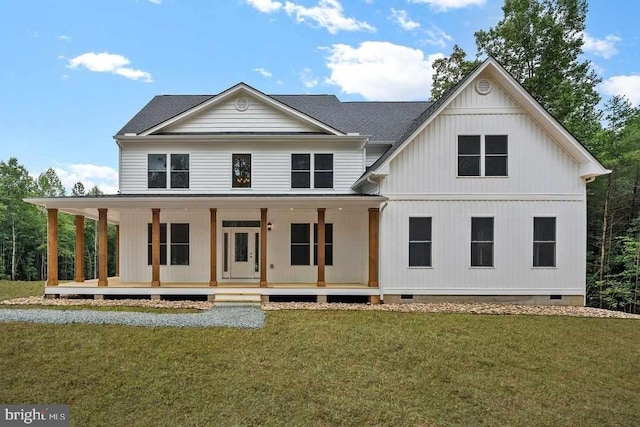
(10, 290)
(332, 368)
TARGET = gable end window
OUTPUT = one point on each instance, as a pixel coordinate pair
(157, 170)
(420, 242)
(300, 244)
(481, 242)
(301, 171)
(544, 242)
(323, 170)
(328, 244)
(480, 155)
(163, 244)
(241, 171)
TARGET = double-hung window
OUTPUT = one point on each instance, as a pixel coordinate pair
(482, 242)
(322, 167)
(544, 242)
(163, 244)
(241, 171)
(157, 171)
(300, 244)
(179, 238)
(483, 155)
(328, 244)
(420, 242)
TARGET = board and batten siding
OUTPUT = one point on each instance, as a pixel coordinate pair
(258, 117)
(536, 163)
(513, 273)
(210, 166)
(349, 251)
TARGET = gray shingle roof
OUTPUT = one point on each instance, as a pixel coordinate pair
(384, 121)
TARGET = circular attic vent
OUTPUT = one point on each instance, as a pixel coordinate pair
(483, 86)
(241, 104)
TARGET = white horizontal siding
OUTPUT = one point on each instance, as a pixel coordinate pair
(513, 248)
(349, 253)
(374, 151)
(210, 166)
(259, 117)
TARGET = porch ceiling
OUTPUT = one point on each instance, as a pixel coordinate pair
(88, 205)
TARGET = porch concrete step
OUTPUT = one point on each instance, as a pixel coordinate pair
(237, 299)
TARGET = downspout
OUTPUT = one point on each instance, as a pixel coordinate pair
(374, 183)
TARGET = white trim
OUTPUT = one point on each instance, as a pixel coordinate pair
(455, 111)
(242, 88)
(487, 197)
(206, 290)
(453, 290)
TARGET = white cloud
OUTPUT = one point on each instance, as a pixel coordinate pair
(605, 47)
(263, 72)
(64, 38)
(628, 86)
(328, 14)
(155, 1)
(381, 70)
(444, 5)
(308, 79)
(108, 63)
(105, 177)
(265, 6)
(437, 37)
(401, 18)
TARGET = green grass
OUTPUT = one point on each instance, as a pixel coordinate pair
(333, 368)
(10, 290)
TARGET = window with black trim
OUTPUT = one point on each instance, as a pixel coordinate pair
(544, 242)
(300, 244)
(483, 155)
(179, 244)
(420, 242)
(482, 242)
(328, 244)
(301, 171)
(241, 170)
(323, 170)
(163, 243)
(156, 170)
(179, 171)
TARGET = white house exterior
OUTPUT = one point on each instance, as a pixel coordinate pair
(478, 196)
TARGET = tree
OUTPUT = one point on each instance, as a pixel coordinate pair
(78, 189)
(449, 71)
(539, 42)
(49, 184)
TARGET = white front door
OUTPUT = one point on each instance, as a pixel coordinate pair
(244, 253)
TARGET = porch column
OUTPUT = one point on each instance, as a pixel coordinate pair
(321, 241)
(52, 247)
(263, 247)
(155, 247)
(79, 276)
(102, 247)
(373, 247)
(213, 278)
(117, 254)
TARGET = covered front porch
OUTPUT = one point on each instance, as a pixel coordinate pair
(245, 245)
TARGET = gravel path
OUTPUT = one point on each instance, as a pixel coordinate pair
(234, 317)
(540, 310)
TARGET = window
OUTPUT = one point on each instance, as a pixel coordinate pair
(179, 244)
(544, 242)
(328, 244)
(482, 155)
(301, 171)
(157, 170)
(300, 244)
(241, 171)
(179, 171)
(482, 242)
(420, 242)
(323, 171)
(163, 244)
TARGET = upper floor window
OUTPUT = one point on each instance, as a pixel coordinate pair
(544, 242)
(482, 155)
(301, 167)
(241, 171)
(420, 242)
(481, 242)
(157, 170)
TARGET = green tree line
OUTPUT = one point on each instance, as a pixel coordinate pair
(540, 43)
(23, 227)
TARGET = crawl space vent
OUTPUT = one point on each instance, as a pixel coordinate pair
(483, 86)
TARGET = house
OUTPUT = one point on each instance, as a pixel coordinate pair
(480, 195)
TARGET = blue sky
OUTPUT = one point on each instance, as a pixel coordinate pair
(73, 72)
